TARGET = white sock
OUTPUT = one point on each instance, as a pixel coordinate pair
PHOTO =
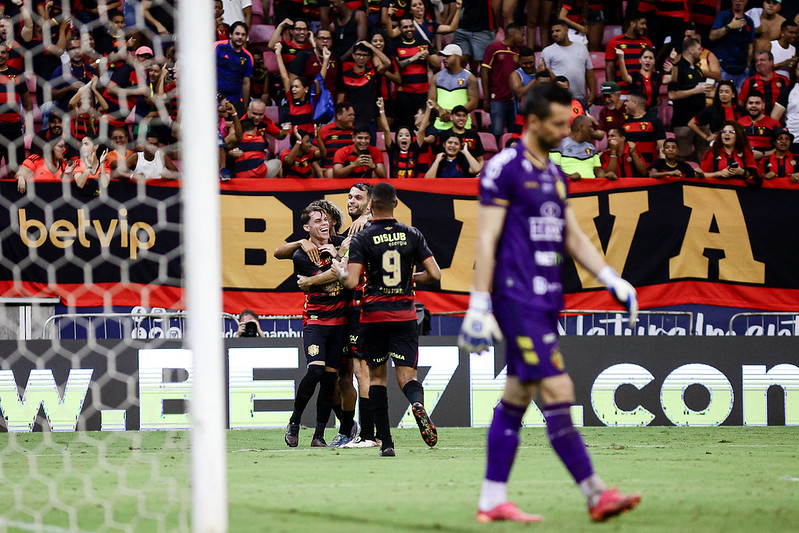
(494, 493)
(592, 488)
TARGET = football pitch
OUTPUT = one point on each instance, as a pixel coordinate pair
(692, 479)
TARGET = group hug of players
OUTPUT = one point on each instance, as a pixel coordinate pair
(359, 312)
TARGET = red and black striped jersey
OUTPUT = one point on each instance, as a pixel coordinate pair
(404, 165)
(703, 12)
(575, 9)
(252, 163)
(12, 87)
(403, 8)
(624, 163)
(782, 166)
(759, 132)
(770, 89)
(334, 139)
(672, 9)
(325, 305)
(388, 252)
(650, 87)
(413, 77)
(124, 77)
(15, 59)
(290, 50)
(360, 88)
(347, 155)
(301, 115)
(714, 163)
(632, 54)
(301, 168)
(645, 132)
(646, 6)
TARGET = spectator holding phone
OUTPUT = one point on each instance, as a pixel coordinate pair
(731, 157)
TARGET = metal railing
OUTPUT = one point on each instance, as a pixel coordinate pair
(152, 325)
(650, 323)
(765, 323)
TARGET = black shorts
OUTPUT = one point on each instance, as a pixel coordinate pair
(353, 331)
(397, 340)
(324, 343)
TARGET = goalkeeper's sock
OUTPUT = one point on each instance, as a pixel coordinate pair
(567, 442)
(414, 391)
(503, 440)
(305, 390)
(492, 494)
(592, 488)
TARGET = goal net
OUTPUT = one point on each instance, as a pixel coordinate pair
(99, 226)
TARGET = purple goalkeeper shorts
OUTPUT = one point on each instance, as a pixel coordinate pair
(531, 341)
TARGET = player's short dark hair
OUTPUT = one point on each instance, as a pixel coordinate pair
(334, 215)
(526, 51)
(688, 43)
(312, 208)
(360, 128)
(236, 25)
(247, 124)
(539, 99)
(384, 196)
(757, 94)
(342, 106)
(365, 187)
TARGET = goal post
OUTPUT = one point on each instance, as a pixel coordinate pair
(202, 263)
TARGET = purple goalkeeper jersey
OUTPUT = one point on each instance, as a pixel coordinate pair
(531, 247)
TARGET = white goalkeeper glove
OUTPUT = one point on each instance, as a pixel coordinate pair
(479, 329)
(621, 290)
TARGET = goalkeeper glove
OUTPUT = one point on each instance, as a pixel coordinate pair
(479, 329)
(621, 290)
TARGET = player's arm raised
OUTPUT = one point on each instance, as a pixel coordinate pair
(582, 250)
(431, 274)
(480, 329)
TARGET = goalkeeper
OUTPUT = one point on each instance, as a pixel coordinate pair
(525, 227)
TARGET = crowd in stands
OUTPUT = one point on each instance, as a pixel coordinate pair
(404, 88)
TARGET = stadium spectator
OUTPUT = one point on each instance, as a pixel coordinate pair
(120, 151)
(586, 22)
(500, 61)
(128, 83)
(781, 163)
(733, 34)
(349, 27)
(359, 86)
(360, 160)
(114, 43)
(415, 58)
(730, 157)
(758, 126)
(50, 166)
(621, 159)
(454, 160)
(646, 80)
(301, 160)
(221, 33)
(578, 110)
(766, 81)
(250, 156)
(230, 134)
(787, 108)
(467, 136)
(286, 9)
(299, 90)
(405, 152)
(54, 129)
(783, 49)
(672, 17)
(249, 324)
(426, 27)
(388, 75)
(234, 67)
(571, 60)
(520, 81)
(475, 34)
(256, 112)
(90, 165)
(451, 87)
(703, 15)
(308, 63)
(46, 55)
(67, 79)
(238, 11)
(336, 135)
(687, 91)
(767, 27)
(14, 97)
(644, 128)
(151, 161)
(577, 156)
(294, 38)
(539, 19)
(725, 107)
(86, 108)
(669, 166)
(612, 114)
(632, 42)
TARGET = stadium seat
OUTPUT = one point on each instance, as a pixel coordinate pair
(273, 113)
(260, 35)
(489, 143)
(380, 143)
(258, 15)
(386, 164)
(599, 73)
(270, 61)
(481, 120)
(598, 60)
(665, 112)
(610, 32)
(601, 145)
(504, 140)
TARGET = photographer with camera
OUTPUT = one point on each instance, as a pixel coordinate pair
(249, 325)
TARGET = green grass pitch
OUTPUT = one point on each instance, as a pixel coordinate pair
(709, 479)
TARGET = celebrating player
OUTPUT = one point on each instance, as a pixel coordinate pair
(388, 250)
(524, 227)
